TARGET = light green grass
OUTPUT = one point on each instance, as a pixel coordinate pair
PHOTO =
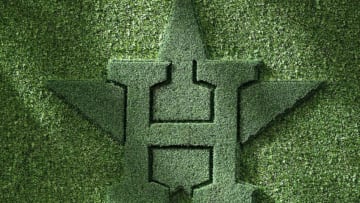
(51, 154)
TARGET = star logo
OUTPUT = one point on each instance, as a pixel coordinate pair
(182, 117)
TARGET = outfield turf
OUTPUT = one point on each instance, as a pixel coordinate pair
(49, 153)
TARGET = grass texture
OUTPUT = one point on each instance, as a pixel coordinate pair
(51, 154)
(181, 118)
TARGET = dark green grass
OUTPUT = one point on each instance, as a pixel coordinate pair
(51, 154)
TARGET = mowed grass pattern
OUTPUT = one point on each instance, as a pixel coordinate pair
(51, 154)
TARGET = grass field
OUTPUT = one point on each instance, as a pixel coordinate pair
(49, 153)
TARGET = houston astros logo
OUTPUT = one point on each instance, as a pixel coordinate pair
(182, 117)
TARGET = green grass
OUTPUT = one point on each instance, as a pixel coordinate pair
(49, 153)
